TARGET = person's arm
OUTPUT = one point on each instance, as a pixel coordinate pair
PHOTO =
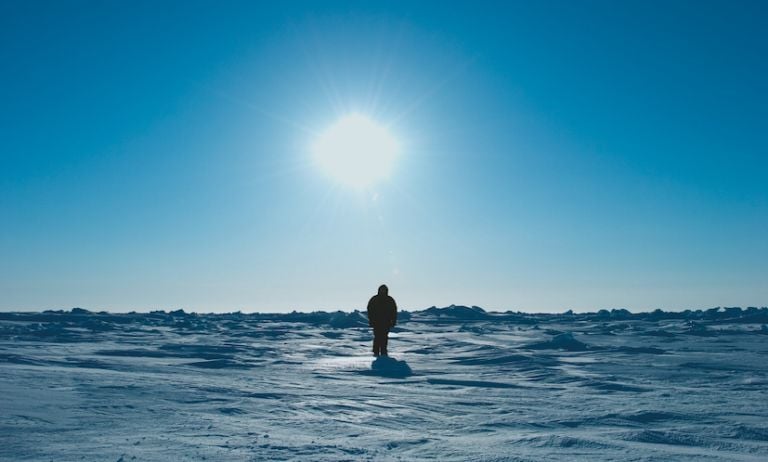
(394, 314)
(370, 321)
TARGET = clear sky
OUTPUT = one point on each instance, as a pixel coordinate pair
(553, 155)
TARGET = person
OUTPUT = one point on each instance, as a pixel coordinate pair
(382, 316)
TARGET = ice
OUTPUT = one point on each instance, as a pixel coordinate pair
(460, 383)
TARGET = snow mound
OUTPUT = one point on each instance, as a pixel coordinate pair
(457, 312)
(680, 438)
(645, 417)
(564, 341)
(701, 330)
(563, 442)
(342, 320)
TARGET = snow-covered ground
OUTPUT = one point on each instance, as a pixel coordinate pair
(461, 384)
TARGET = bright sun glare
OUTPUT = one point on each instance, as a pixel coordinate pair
(356, 151)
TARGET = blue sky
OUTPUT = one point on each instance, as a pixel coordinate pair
(555, 155)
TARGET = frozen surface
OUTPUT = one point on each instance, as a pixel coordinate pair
(461, 384)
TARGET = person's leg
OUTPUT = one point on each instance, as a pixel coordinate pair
(376, 342)
(384, 341)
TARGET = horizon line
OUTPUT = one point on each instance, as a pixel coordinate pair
(82, 310)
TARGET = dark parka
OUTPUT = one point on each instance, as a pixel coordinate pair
(382, 310)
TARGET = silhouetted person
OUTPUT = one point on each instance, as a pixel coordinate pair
(382, 316)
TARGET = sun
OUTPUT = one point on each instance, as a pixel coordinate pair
(356, 151)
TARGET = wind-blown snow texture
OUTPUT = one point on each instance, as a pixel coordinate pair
(462, 384)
